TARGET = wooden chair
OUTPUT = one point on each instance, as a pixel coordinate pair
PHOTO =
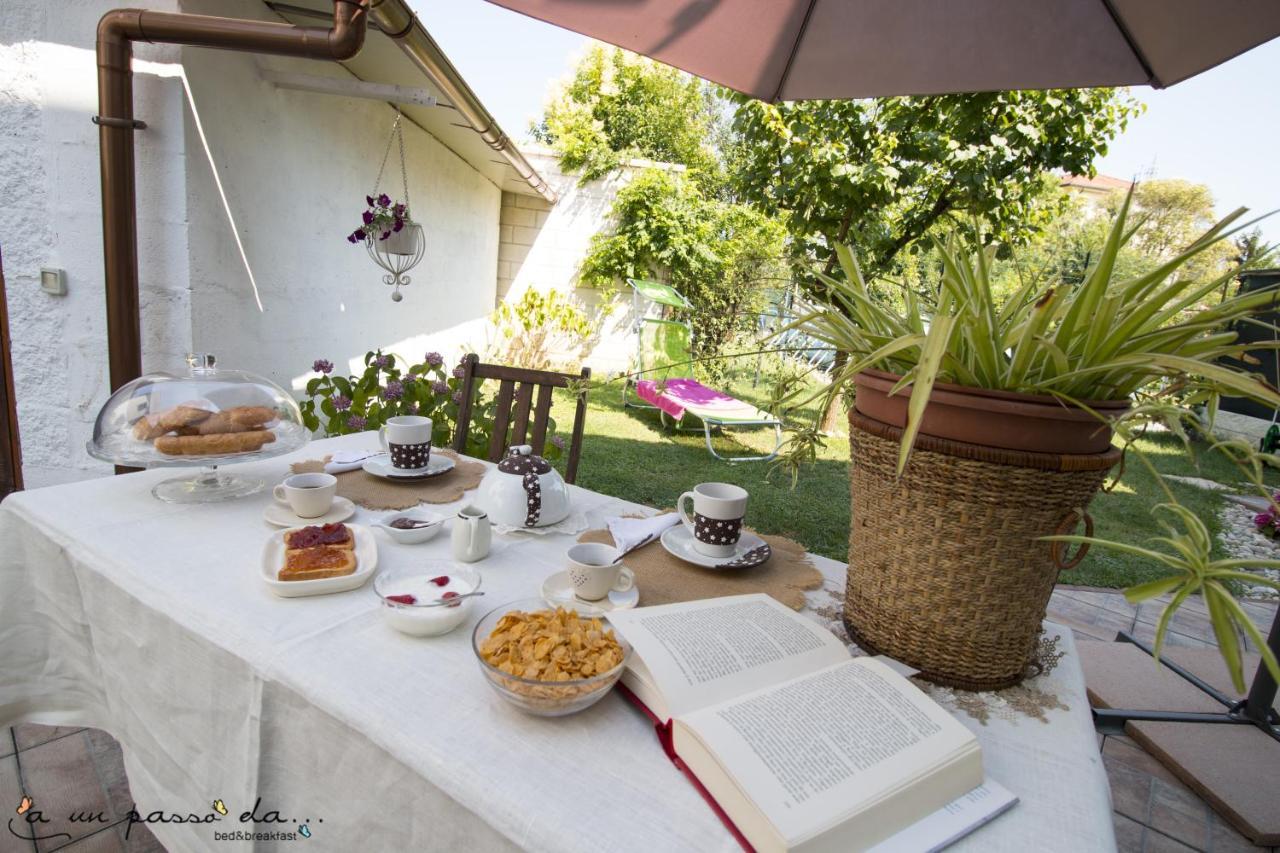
(516, 384)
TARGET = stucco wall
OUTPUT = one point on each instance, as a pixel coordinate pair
(296, 167)
(50, 216)
(543, 249)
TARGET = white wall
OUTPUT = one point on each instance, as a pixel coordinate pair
(295, 167)
(50, 215)
(543, 249)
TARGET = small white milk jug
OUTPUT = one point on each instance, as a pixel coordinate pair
(471, 534)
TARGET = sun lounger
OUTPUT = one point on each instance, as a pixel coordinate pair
(677, 397)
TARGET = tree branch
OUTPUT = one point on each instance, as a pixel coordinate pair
(919, 227)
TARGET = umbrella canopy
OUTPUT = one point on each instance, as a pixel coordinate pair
(786, 50)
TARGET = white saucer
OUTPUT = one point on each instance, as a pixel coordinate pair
(380, 466)
(751, 550)
(281, 516)
(557, 591)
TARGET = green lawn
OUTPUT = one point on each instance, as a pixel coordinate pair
(627, 453)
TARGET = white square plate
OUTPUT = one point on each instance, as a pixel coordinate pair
(273, 561)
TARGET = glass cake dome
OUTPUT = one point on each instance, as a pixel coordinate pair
(204, 418)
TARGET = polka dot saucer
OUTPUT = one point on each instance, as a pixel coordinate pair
(380, 466)
(751, 550)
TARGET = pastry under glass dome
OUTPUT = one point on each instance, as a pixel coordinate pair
(205, 418)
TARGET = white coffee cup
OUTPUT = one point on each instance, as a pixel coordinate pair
(716, 523)
(595, 570)
(408, 439)
(308, 495)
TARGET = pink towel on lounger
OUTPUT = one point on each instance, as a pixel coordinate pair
(681, 394)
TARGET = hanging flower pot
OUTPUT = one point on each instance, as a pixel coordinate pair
(402, 242)
(394, 241)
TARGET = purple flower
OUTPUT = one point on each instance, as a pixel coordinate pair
(356, 422)
(341, 403)
(385, 235)
(355, 236)
(1262, 519)
(398, 210)
(413, 408)
(393, 391)
(441, 388)
(433, 359)
(322, 365)
(369, 200)
(399, 224)
(384, 200)
(459, 372)
(557, 441)
(411, 378)
(457, 397)
(368, 217)
(384, 361)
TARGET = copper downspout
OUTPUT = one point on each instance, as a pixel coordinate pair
(117, 31)
(397, 21)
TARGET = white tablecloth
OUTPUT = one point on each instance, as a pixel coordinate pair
(150, 620)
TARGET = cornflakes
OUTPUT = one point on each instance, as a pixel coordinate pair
(546, 645)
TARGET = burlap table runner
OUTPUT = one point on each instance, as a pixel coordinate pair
(664, 579)
(373, 492)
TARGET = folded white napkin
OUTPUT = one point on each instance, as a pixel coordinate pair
(630, 532)
(349, 460)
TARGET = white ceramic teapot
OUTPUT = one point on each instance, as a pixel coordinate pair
(524, 491)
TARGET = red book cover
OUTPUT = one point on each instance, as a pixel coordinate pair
(663, 730)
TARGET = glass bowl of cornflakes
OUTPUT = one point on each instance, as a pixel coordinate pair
(548, 662)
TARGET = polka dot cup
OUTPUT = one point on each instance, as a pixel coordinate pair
(716, 521)
(408, 439)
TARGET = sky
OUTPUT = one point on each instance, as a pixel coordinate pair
(1221, 128)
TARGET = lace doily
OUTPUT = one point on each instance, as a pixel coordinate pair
(572, 525)
(1032, 699)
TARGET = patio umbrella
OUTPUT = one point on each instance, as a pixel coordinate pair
(785, 50)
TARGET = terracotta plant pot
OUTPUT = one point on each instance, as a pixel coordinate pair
(1004, 419)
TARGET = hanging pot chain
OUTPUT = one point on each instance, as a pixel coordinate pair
(397, 134)
(404, 173)
(396, 263)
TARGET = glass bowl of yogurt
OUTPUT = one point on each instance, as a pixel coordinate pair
(416, 601)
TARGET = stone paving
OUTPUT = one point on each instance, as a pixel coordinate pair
(1153, 811)
(66, 770)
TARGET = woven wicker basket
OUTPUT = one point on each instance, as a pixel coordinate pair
(945, 573)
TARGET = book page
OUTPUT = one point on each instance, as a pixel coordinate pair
(817, 749)
(697, 653)
(952, 822)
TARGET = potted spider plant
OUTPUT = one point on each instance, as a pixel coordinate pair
(996, 415)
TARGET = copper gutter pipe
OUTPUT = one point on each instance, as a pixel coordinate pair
(397, 21)
(117, 31)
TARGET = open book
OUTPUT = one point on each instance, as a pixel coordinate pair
(797, 745)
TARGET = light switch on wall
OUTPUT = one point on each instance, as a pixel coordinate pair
(52, 281)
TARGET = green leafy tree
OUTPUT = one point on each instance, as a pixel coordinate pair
(880, 174)
(718, 254)
(617, 106)
(1173, 213)
(1168, 216)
